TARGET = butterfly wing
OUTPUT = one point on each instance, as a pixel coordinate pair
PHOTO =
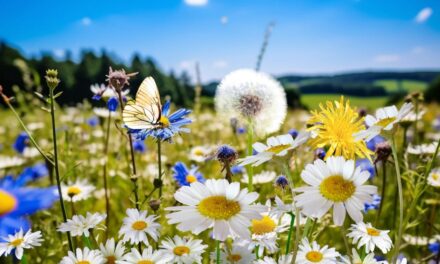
(145, 112)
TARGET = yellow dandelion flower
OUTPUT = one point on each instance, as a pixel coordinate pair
(335, 127)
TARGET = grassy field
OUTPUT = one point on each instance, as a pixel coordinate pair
(405, 85)
(312, 100)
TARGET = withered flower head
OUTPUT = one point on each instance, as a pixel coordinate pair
(383, 151)
(119, 78)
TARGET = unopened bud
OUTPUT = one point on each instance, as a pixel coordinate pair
(383, 151)
(154, 205)
(52, 78)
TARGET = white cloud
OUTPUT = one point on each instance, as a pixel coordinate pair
(220, 64)
(423, 15)
(418, 50)
(196, 2)
(60, 53)
(386, 58)
(86, 21)
(188, 65)
(224, 20)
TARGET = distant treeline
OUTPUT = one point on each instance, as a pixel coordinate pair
(347, 89)
(76, 77)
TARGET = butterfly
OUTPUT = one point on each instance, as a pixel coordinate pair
(145, 112)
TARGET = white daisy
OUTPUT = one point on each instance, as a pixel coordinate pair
(112, 252)
(422, 149)
(412, 117)
(199, 153)
(276, 146)
(148, 256)
(104, 112)
(80, 225)
(9, 162)
(218, 204)
(368, 259)
(83, 256)
(137, 225)
(282, 210)
(434, 177)
(260, 178)
(182, 251)
(248, 94)
(19, 242)
(385, 119)
(284, 259)
(334, 183)
(77, 191)
(313, 253)
(370, 237)
(30, 152)
(237, 255)
(105, 91)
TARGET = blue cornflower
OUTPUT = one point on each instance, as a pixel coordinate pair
(93, 121)
(18, 202)
(365, 164)
(32, 173)
(241, 130)
(281, 182)
(185, 177)
(21, 142)
(371, 145)
(374, 205)
(434, 247)
(293, 133)
(112, 104)
(226, 154)
(169, 125)
(237, 169)
(139, 146)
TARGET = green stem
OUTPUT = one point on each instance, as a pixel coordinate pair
(289, 235)
(34, 142)
(217, 245)
(134, 177)
(384, 184)
(24, 259)
(106, 189)
(257, 247)
(416, 129)
(159, 166)
(344, 236)
(87, 242)
(401, 205)
(57, 169)
(250, 168)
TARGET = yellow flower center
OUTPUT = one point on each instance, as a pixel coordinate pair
(111, 260)
(139, 225)
(164, 121)
(17, 242)
(373, 231)
(199, 152)
(83, 262)
(336, 188)
(335, 126)
(234, 258)
(145, 262)
(263, 226)
(277, 149)
(314, 256)
(73, 190)
(218, 207)
(386, 121)
(8, 203)
(181, 250)
(435, 177)
(191, 178)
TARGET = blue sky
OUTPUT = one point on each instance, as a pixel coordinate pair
(310, 36)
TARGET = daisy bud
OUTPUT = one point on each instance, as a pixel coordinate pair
(154, 204)
(362, 112)
(383, 151)
(281, 182)
(226, 154)
(157, 183)
(52, 78)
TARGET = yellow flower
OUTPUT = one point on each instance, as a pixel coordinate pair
(335, 126)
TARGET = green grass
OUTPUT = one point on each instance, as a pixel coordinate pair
(312, 100)
(405, 85)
